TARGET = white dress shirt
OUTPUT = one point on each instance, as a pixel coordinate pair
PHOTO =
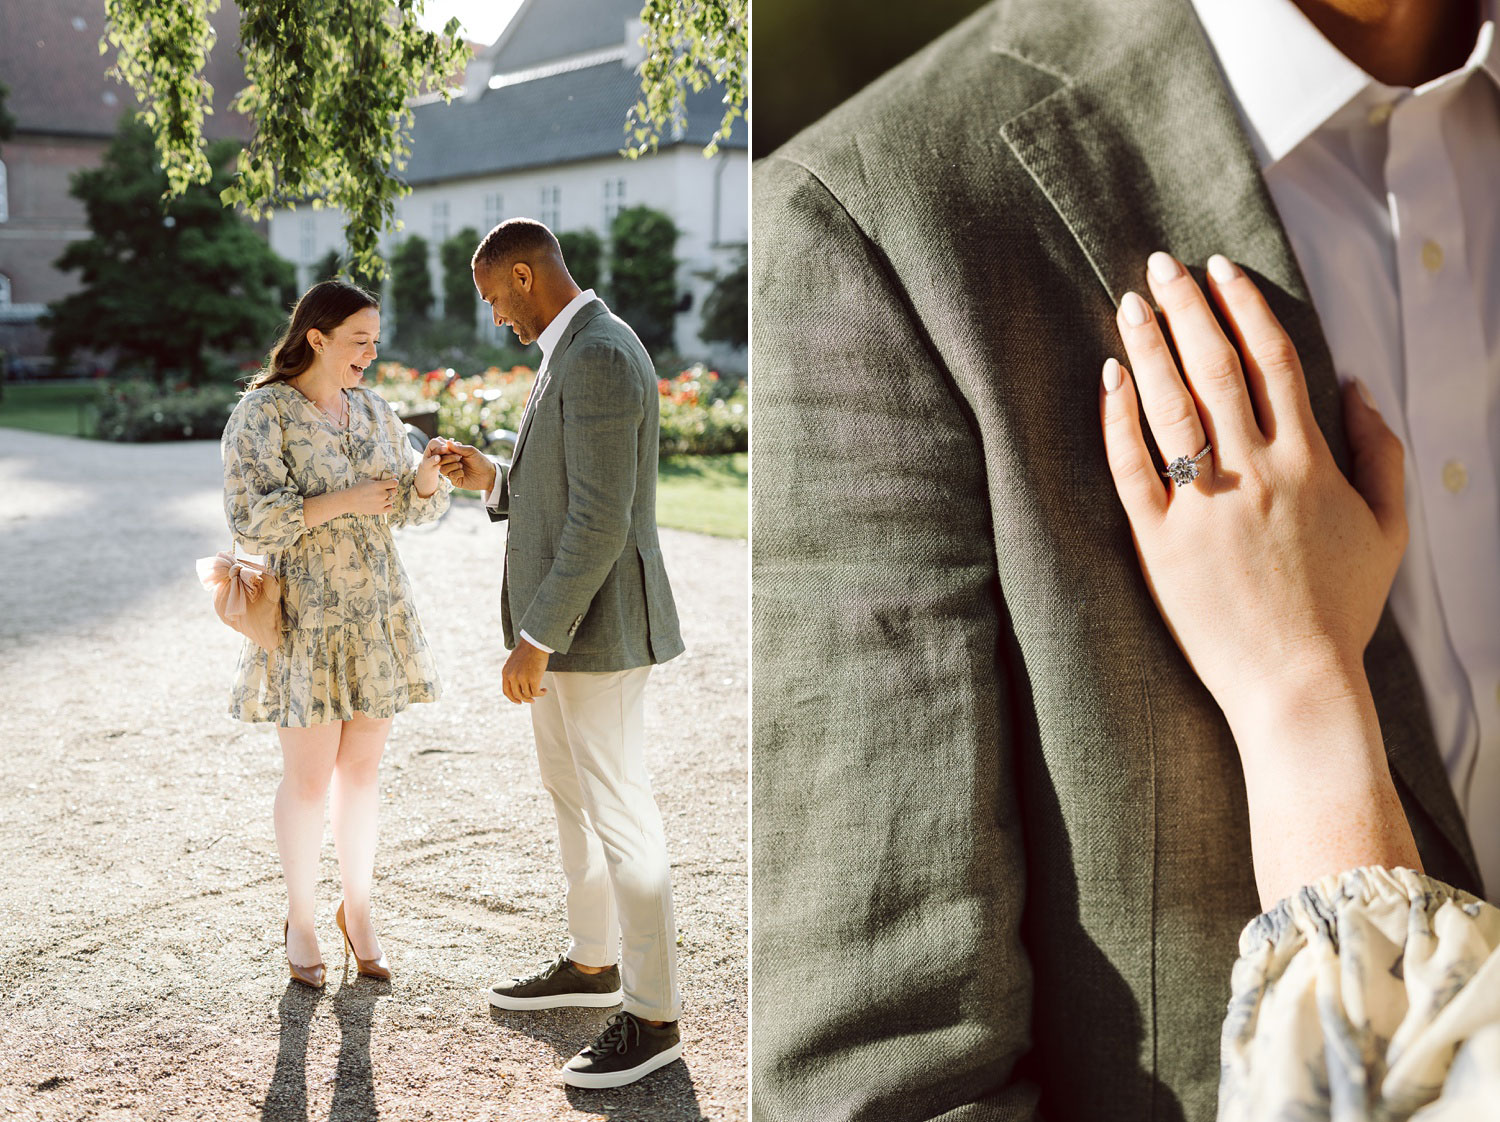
(1391, 200)
(549, 338)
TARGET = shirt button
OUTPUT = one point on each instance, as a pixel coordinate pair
(1455, 477)
(1380, 114)
(1432, 256)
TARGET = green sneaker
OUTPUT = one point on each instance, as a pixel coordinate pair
(558, 984)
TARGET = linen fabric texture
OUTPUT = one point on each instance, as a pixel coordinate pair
(351, 641)
(1002, 854)
(1370, 996)
(583, 565)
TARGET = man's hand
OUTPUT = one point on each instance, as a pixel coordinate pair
(468, 467)
(522, 677)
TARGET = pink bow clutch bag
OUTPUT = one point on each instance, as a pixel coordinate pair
(247, 596)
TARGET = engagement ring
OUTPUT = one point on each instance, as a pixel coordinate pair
(1183, 470)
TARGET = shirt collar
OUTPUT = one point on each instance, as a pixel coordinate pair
(1287, 80)
(552, 334)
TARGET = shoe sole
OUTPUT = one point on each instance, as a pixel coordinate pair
(621, 1078)
(557, 1001)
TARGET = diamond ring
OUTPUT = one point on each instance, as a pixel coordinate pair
(1184, 469)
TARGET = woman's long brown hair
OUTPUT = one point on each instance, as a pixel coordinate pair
(325, 305)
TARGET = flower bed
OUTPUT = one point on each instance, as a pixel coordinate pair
(700, 413)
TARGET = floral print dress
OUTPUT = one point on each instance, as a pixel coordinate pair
(350, 641)
(1370, 996)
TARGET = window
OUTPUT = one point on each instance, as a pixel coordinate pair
(550, 212)
(614, 200)
(309, 240)
(4, 195)
(4, 291)
(494, 210)
(439, 223)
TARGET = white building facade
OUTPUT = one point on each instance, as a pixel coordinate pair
(537, 134)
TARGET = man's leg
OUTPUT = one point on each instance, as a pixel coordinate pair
(604, 721)
(593, 924)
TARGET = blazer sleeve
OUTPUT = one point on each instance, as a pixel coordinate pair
(890, 978)
(261, 502)
(603, 406)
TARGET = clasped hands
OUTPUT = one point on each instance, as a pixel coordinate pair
(1270, 569)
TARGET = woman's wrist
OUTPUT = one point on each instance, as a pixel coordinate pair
(318, 509)
(1319, 789)
(1323, 693)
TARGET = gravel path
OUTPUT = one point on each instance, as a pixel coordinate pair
(141, 970)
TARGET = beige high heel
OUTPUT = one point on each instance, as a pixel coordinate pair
(369, 967)
(314, 976)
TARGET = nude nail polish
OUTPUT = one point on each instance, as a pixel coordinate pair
(1134, 309)
(1163, 267)
(1222, 269)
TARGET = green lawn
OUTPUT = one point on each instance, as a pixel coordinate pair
(706, 494)
(47, 406)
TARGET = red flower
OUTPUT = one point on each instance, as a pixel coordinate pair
(664, 386)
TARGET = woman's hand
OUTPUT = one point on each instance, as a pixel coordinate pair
(428, 470)
(1269, 568)
(373, 496)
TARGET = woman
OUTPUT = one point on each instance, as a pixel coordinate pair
(317, 469)
(1366, 989)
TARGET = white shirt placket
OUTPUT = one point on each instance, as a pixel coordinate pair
(1448, 392)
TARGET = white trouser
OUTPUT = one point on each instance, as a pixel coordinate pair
(590, 740)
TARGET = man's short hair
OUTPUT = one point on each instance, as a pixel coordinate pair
(516, 239)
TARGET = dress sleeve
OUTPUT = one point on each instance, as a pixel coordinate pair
(410, 509)
(1372, 994)
(261, 502)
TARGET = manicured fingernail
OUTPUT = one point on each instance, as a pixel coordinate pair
(1112, 376)
(1163, 266)
(1364, 393)
(1222, 269)
(1134, 309)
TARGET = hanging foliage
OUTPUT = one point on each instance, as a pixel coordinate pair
(327, 86)
(690, 44)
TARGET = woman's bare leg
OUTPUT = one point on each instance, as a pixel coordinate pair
(356, 803)
(307, 764)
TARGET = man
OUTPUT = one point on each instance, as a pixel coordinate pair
(586, 607)
(1001, 851)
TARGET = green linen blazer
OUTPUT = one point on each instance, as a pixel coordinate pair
(1001, 851)
(583, 566)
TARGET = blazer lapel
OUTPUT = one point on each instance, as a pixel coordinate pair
(544, 379)
(1137, 156)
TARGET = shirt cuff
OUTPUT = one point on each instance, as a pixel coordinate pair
(538, 646)
(492, 496)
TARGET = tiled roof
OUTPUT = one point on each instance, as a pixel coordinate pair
(543, 30)
(49, 57)
(575, 115)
